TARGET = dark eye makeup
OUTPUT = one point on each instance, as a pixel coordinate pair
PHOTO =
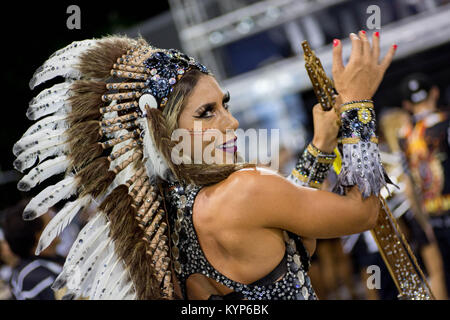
(205, 111)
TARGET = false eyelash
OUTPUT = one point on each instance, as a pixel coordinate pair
(227, 97)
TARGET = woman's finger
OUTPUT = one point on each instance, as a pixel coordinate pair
(338, 65)
(356, 54)
(388, 58)
(376, 46)
(366, 49)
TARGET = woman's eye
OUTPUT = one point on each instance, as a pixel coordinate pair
(226, 106)
(207, 114)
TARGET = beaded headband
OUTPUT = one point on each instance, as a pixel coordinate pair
(160, 69)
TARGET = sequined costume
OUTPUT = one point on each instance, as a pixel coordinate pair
(295, 283)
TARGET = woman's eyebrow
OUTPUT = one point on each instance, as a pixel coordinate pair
(226, 98)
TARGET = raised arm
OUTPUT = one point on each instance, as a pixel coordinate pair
(276, 202)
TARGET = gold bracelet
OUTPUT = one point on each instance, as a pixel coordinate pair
(357, 105)
(356, 140)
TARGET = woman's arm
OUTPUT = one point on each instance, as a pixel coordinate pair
(264, 199)
(271, 201)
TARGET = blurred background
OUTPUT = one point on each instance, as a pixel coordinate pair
(253, 48)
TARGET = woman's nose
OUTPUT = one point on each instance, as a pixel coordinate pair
(234, 123)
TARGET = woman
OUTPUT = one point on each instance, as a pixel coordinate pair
(233, 226)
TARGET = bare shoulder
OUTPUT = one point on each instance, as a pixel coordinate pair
(244, 194)
(248, 183)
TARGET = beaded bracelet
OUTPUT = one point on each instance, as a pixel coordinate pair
(312, 167)
(357, 101)
(361, 163)
(358, 122)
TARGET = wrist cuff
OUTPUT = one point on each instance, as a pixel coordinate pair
(312, 167)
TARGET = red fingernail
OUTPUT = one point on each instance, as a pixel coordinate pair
(377, 34)
(363, 32)
(395, 46)
(335, 42)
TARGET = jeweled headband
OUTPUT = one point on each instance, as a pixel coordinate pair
(161, 70)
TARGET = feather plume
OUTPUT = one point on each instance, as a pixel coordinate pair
(154, 162)
(42, 172)
(103, 274)
(88, 285)
(56, 121)
(49, 197)
(119, 276)
(127, 292)
(43, 149)
(60, 222)
(85, 270)
(61, 63)
(53, 93)
(50, 101)
(114, 270)
(83, 244)
(34, 139)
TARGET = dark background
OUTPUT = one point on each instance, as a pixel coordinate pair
(31, 32)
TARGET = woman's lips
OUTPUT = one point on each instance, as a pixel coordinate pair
(229, 146)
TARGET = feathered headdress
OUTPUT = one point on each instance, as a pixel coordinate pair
(93, 129)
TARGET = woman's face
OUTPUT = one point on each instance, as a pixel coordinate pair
(207, 109)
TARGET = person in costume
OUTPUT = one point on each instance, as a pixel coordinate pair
(426, 143)
(166, 224)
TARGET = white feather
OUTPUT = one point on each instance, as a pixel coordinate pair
(42, 172)
(117, 283)
(108, 277)
(56, 121)
(53, 93)
(60, 222)
(127, 292)
(62, 63)
(43, 149)
(34, 139)
(103, 274)
(154, 162)
(89, 242)
(60, 106)
(49, 197)
(118, 274)
(81, 246)
(87, 287)
(87, 269)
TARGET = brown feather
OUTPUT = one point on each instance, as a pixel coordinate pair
(83, 138)
(98, 61)
(86, 100)
(95, 178)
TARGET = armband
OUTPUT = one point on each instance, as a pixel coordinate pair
(312, 167)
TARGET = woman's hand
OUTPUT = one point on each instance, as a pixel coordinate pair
(360, 78)
(326, 128)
